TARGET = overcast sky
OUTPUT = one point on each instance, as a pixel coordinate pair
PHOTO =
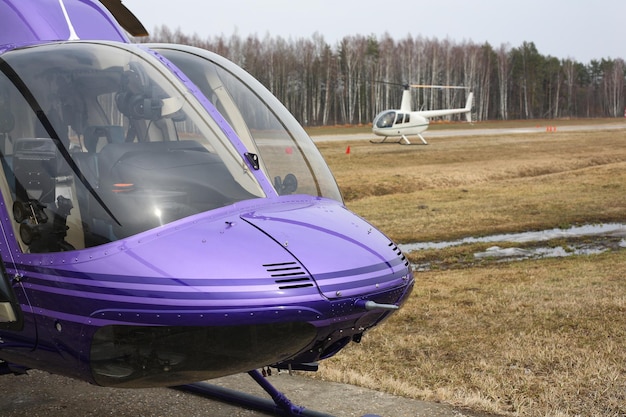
(578, 29)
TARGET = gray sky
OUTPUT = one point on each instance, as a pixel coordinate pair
(578, 29)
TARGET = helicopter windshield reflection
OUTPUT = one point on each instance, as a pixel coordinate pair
(385, 119)
(98, 144)
(288, 156)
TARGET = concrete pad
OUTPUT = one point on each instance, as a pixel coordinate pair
(39, 394)
(471, 130)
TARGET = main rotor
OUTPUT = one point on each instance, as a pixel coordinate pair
(407, 86)
(438, 87)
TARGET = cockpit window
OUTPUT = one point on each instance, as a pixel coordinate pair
(97, 143)
(288, 156)
(385, 120)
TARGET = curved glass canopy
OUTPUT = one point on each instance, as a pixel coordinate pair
(288, 155)
(100, 141)
(385, 120)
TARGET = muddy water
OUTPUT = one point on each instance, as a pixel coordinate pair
(598, 238)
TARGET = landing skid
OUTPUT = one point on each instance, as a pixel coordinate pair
(403, 140)
(279, 405)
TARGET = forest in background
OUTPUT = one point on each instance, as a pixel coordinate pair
(350, 82)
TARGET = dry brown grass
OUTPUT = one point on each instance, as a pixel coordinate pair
(458, 187)
(530, 338)
(534, 338)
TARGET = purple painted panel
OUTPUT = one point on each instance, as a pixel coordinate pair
(44, 20)
(344, 254)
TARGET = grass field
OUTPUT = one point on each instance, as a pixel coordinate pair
(529, 338)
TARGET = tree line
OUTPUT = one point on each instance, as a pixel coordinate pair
(350, 82)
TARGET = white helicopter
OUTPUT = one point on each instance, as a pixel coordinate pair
(405, 122)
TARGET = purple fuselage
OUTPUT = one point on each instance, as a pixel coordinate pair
(164, 219)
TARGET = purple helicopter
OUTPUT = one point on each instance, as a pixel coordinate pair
(164, 219)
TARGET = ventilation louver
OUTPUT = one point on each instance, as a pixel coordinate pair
(397, 250)
(289, 275)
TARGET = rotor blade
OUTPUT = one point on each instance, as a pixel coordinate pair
(125, 17)
(438, 86)
(384, 82)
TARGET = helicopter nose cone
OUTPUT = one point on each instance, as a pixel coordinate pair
(345, 255)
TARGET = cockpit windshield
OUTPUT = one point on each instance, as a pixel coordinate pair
(288, 156)
(100, 141)
(386, 119)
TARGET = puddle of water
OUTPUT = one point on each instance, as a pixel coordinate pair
(607, 229)
(512, 254)
(557, 252)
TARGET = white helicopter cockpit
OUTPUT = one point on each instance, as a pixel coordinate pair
(390, 118)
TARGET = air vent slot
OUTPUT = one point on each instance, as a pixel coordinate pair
(398, 252)
(285, 284)
(287, 269)
(289, 275)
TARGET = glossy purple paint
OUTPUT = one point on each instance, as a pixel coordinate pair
(139, 310)
(34, 21)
